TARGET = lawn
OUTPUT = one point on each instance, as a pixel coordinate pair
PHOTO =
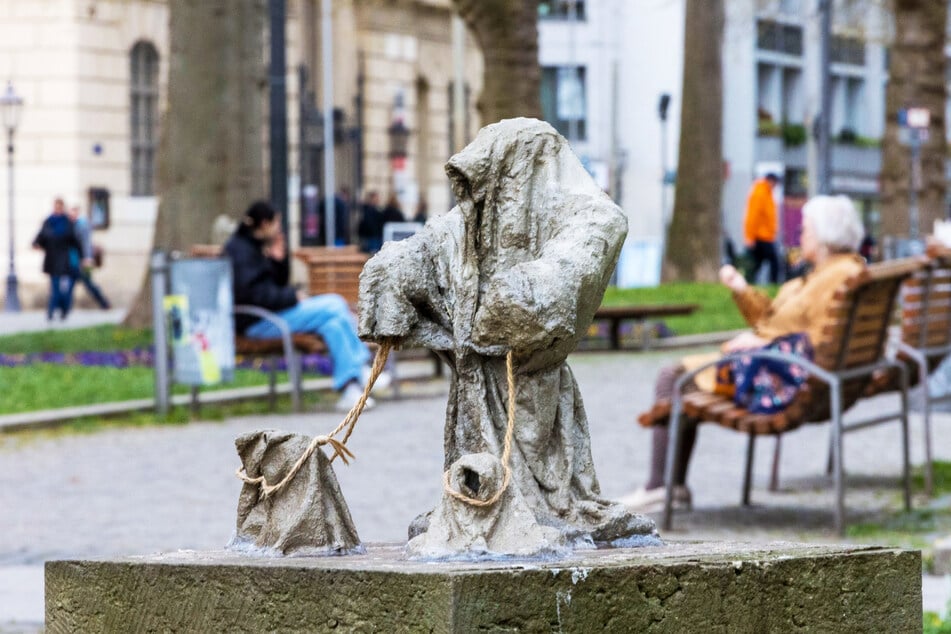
(51, 385)
(40, 386)
(717, 310)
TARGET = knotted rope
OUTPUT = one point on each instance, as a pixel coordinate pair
(339, 447)
(506, 448)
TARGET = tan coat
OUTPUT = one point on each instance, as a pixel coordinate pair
(800, 306)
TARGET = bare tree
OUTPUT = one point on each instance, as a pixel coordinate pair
(507, 33)
(692, 251)
(210, 159)
(916, 78)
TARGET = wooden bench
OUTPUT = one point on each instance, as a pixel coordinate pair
(923, 338)
(850, 352)
(640, 314)
(333, 270)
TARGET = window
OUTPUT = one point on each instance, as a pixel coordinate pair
(563, 100)
(847, 108)
(143, 117)
(847, 50)
(561, 9)
(778, 37)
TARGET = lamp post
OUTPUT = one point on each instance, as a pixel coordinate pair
(10, 104)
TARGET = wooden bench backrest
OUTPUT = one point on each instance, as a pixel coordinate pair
(856, 332)
(336, 270)
(926, 305)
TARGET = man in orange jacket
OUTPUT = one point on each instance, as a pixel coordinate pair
(760, 226)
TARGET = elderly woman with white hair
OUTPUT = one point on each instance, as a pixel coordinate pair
(831, 233)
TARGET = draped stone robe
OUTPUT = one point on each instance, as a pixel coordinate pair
(520, 263)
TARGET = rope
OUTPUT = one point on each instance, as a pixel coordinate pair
(340, 449)
(506, 448)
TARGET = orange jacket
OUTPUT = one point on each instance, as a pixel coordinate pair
(761, 221)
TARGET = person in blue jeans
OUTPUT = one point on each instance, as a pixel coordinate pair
(56, 239)
(258, 254)
(81, 262)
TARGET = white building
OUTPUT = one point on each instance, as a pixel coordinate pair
(93, 77)
(630, 53)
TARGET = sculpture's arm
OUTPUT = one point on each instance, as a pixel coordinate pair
(400, 294)
(534, 304)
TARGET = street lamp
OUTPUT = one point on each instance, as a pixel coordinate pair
(10, 105)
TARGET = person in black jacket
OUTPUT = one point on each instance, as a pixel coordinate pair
(257, 250)
(370, 229)
(56, 238)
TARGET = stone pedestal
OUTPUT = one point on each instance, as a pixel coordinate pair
(680, 587)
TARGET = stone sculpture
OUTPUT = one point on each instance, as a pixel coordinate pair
(309, 515)
(520, 264)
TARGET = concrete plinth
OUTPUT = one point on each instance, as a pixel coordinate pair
(681, 587)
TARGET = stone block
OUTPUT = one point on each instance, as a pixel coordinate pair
(679, 587)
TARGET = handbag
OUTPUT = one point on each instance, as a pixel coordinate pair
(765, 386)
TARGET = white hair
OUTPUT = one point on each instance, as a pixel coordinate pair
(835, 221)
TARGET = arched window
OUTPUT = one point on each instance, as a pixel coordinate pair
(144, 116)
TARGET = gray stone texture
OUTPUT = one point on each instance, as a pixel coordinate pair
(683, 587)
(308, 516)
(520, 264)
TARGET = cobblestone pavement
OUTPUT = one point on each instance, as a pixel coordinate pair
(152, 489)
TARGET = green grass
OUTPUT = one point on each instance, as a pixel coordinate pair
(932, 624)
(50, 386)
(717, 310)
(917, 528)
(100, 338)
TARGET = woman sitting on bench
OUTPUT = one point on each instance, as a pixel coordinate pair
(831, 233)
(261, 272)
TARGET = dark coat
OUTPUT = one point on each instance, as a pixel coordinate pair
(56, 238)
(371, 223)
(258, 280)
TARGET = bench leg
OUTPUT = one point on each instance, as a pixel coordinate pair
(774, 474)
(294, 371)
(615, 326)
(272, 384)
(195, 403)
(748, 469)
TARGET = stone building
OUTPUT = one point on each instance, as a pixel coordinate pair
(93, 75)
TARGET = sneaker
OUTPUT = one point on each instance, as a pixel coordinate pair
(652, 500)
(349, 397)
(382, 382)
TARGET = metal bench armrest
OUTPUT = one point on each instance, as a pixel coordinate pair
(279, 322)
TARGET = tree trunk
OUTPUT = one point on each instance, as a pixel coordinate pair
(692, 251)
(210, 147)
(507, 33)
(916, 79)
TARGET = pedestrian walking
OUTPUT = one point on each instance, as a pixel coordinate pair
(760, 227)
(55, 239)
(82, 261)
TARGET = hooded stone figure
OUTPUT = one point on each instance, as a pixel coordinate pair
(520, 263)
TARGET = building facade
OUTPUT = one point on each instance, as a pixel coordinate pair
(93, 76)
(623, 58)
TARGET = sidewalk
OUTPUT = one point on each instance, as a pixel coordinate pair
(35, 320)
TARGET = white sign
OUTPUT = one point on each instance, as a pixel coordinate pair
(918, 117)
(639, 264)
